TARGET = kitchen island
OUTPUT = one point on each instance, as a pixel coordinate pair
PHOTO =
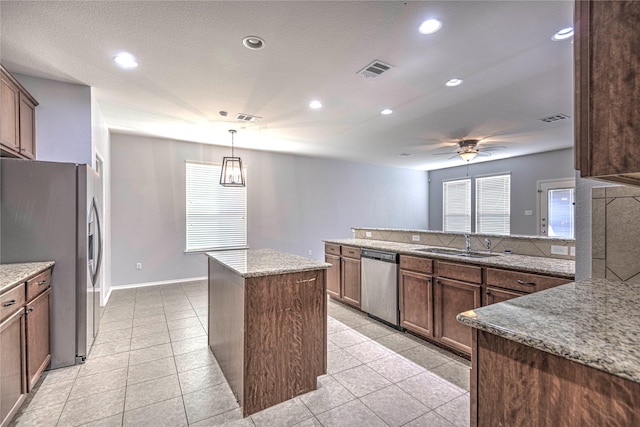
(267, 324)
(567, 356)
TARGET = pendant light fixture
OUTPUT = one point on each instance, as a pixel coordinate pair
(232, 173)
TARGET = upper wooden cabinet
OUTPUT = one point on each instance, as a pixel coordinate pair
(607, 87)
(17, 118)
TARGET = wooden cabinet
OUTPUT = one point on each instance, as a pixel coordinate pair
(25, 334)
(416, 295)
(607, 89)
(17, 118)
(343, 279)
(502, 285)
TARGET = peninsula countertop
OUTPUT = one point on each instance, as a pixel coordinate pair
(12, 275)
(264, 262)
(594, 322)
(533, 264)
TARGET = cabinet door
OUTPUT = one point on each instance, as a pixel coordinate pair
(495, 295)
(333, 275)
(38, 337)
(351, 281)
(27, 127)
(9, 125)
(12, 371)
(451, 298)
(416, 302)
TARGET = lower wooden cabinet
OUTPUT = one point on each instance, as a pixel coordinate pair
(13, 388)
(416, 302)
(38, 337)
(495, 295)
(333, 275)
(343, 278)
(451, 298)
(351, 281)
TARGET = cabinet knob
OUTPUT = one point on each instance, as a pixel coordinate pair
(29, 310)
(42, 282)
(488, 292)
(522, 282)
(10, 303)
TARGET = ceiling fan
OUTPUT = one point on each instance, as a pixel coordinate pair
(468, 150)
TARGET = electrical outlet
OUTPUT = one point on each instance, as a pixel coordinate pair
(559, 250)
(309, 252)
(138, 266)
(367, 234)
(572, 250)
(415, 238)
(528, 213)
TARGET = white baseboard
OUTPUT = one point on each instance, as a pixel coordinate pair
(145, 284)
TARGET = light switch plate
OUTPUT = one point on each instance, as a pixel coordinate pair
(528, 213)
(367, 234)
(415, 238)
(572, 250)
(559, 250)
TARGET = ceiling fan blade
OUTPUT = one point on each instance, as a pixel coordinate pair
(455, 156)
(492, 147)
(442, 154)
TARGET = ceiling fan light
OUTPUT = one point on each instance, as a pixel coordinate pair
(430, 26)
(468, 155)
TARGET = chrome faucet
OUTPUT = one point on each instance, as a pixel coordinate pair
(467, 242)
(487, 243)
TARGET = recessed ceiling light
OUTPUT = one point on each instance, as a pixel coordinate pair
(454, 82)
(563, 34)
(430, 26)
(315, 105)
(125, 60)
(253, 42)
(386, 111)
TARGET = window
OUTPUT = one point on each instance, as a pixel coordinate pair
(493, 204)
(216, 215)
(557, 208)
(456, 215)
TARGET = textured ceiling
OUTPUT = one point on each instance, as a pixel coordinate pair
(193, 65)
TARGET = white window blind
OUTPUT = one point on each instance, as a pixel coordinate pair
(216, 215)
(493, 204)
(456, 215)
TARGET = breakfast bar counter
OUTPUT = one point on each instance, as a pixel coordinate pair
(267, 324)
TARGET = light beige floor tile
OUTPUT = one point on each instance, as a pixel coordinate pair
(309, 422)
(150, 353)
(334, 326)
(194, 359)
(169, 413)
(111, 347)
(339, 360)
(149, 392)
(178, 307)
(148, 311)
(430, 419)
(284, 414)
(118, 324)
(367, 351)
(149, 320)
(202, 311)
(92, 408)
(112, 421)
(209, 402)
(46, 416)
(231, 418)
(346, 338)
(361, 380)
(200, 378)
(182, 314)
(329, 394)
(394, 406)
(186, 333)
(153, 328)
(151, 370)
(183, 323)
(149, 340)
(113, 335)
(61, 374)
(456, 411)
(395, 368)
(351, 414)
(95, 365)
(397, 342)
(189, 345)
(430, 390)
(455, 373)
(374, 330)
(98, 383)
(425, 357)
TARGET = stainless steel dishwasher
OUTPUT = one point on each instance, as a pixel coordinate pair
(379, 298)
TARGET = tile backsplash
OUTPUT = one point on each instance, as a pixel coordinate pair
(615, 233)
(519, 245)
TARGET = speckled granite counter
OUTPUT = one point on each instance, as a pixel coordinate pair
(594, 322)
(264, 262)
(12, 275)
(551, 266)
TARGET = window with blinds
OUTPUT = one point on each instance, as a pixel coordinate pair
(493, 204)
(456, 215)
(216, 215)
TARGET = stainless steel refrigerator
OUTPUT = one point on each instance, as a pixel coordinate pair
(50, 211)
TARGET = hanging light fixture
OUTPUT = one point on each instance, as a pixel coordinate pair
(468, 154)
(232, 173)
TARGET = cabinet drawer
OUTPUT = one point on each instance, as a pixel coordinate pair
(38, 284)
(421, 265)
(523, 282)
(331, 249)
(466, 273)
(11, 301)
(350, 252)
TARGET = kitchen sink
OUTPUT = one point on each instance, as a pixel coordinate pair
(458, 252)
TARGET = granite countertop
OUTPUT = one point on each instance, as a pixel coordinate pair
(501, 236)
(12, 275)
(543, 265)
(264, 262)
(595, 322)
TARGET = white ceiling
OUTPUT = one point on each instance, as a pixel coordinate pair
(192, 64)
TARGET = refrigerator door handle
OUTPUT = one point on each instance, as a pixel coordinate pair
(96, 212)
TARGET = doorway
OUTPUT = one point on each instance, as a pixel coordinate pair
(556, 201)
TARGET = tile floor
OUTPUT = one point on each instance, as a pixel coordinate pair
(150, 366)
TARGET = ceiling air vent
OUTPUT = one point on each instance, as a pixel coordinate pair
(247, 118)
(554, 118)
(375, 69)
